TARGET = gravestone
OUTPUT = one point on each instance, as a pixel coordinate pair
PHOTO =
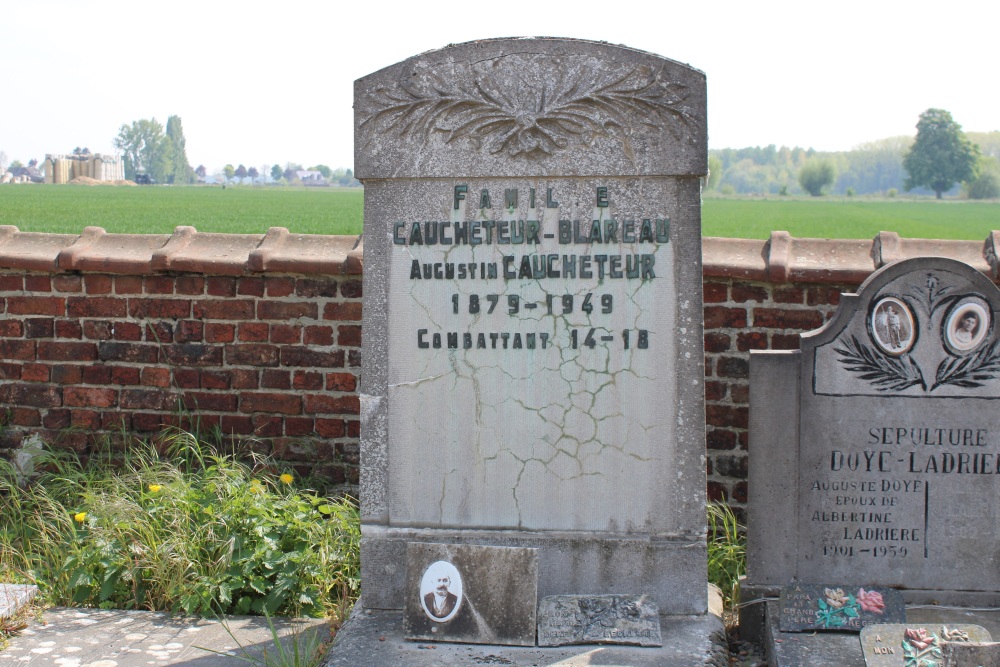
(876, 448)
(533, 340)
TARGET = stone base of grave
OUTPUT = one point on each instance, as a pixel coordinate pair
(374, 638)
(843, 649)
(14, 597)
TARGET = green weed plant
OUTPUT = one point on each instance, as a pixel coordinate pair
(189, 530)
(727, 552)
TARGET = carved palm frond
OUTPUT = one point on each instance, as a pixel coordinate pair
(971, 371)
(884, 372)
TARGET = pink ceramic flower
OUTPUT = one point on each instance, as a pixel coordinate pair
(919, 638)
(871, 601)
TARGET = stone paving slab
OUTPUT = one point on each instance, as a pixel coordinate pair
(96, 638)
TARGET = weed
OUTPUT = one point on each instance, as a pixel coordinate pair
(727, 551)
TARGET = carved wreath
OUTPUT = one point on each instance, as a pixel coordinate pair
(516, 113)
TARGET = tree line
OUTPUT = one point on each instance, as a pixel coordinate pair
(940, 159)
(150, 153)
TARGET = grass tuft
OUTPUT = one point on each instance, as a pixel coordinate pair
(727, 552)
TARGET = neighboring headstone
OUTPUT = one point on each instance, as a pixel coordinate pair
(598, 619)
(970, 654)
(899, 645)
(811, 607)
(533, 315)
(877, 447)
(472, 594)
(14, 598)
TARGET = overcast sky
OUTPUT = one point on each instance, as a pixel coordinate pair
(271, 82)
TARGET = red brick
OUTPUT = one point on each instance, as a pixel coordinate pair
(330, 428)
(187, 378)
(740, 492)
(709, 366)
(36, 305)
(219, 333)
(38, 327)
(89, 397)
(96, 306)
(349, 335)
(751, 340)
(11, 282)
(741, 293)
(789, 294)
(823, 296)
(97, 375)
(341, 382)
(148, 399)
(307, 380)
(130, 352)
(25, 417)
(715, 391)
(66, 374)
(740, 393)
(252, 355)
(67, 283)
(88, 420)
(56, 419)
(37, 283)
(189, 284)
(298, 426)
(35, 373)
(719, 317)
(159, 332)
(275, 379)
(159, 285)
(732, 367)
(127, 331)
(128, 284)
(253, 332)
(155, 377)
(98, 329)
(193, 354)
(238, 425)
(286, 334)
(143, 421)
(778, 318)
(785, 342)
(303, 356)
(97, 284)
(188, 331)
(68, 329)
(353, 428)
(266, 426)
(287, 404)
(318, 335)
(221, 286)
(717, 342)
(351, 289)
(244, 379)
(116, 421)
(32, 395)
(310, 287)
(67, 351)
(286, 310)
(250, 286)
(278, 287)
(125, 375)
(717, 492)
(170, 308)
(345, 312)
(215, 379)
(11, 329)
(208, 400)
(9, 372)
(228, 309)
(727, 416)
(716, 292)
(339, 405)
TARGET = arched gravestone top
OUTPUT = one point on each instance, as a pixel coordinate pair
(530, 106)
(877, 447)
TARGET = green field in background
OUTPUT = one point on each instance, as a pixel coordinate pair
(252, 210)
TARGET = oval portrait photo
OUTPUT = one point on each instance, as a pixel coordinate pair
(441, 591)
(892, 327)
(967, 325)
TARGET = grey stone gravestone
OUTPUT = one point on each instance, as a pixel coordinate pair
(970, 654)
(876, 447)
(533, 340)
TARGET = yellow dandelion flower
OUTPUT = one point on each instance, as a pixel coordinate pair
(79, 517)
(154, 488)
(286, 478)
(255, 486)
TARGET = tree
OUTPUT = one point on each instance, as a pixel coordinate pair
(276, 173)
(3, 162)
(941, 155)
(141, 144)
(230, 171)
(241, 172)
(986, 185)
(323, 169)
(179, 169)
(816, 174)
(253, 174)
(201, 172)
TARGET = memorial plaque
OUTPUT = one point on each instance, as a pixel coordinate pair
(471, 594)
(811, 607)
(905, 645)
(598, 619)
(886, 426)
(970, 654)
(533, 341)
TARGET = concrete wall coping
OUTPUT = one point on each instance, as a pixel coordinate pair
(186, 250)
(781, 258)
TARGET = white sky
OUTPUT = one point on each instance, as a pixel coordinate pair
(272, 82)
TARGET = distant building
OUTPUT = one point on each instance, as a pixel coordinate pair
(98, 166)
(310, 177)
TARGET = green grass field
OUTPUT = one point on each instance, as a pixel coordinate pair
(249, 210)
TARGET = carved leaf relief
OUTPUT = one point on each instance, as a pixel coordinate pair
(514, 105)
